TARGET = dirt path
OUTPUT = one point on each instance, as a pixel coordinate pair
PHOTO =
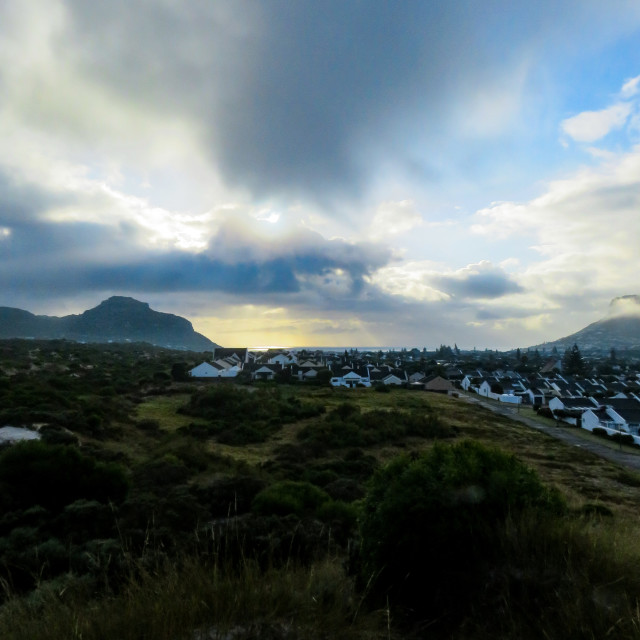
(570, 436)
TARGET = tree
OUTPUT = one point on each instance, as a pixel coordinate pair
(573, 362)
(430, 523)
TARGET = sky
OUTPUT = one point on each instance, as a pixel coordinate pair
(335, 173)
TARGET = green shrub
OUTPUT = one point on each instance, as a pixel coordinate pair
(623, 438)
(53, 476)
(429, 523)
(545, 412)
(289, 497)
(337, 511)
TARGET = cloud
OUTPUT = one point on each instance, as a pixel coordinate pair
(478, 281)
(630, 88)
(429, 282)
(394, 218)
(584, 229)
(589, 126)
(46, 252)
(297, 100)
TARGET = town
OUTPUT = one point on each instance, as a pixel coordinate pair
(600, 394)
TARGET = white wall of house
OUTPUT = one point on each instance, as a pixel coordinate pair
(204, 370)
(484, 389)
(590, 420)
(555, 404)
(231, 372)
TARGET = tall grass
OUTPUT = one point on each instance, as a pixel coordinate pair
(569, 578)
(200, 600)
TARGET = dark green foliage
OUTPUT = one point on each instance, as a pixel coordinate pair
(573, 362)
(623, 438)
(159, 475)
(545, 412)
(229, 495)
(52, 476)
(149, 426)
(237, 416)
(346, 426)
(289, 497)
(429, 523)
(51, 434)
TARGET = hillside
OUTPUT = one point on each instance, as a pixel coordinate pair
(118, 319)
(620, 330)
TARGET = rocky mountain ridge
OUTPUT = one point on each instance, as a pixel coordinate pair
(118, 319)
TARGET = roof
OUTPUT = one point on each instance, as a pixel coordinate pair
(627, 408)
(579, 403)
(438, 383)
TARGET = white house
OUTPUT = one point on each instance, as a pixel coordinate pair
(205, 370)
(350, 380)
(283, 359)
(263, 373)
(231, 372)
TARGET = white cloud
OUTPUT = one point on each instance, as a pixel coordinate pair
(589, 126)
(394, 218)
(585, 229)
(631, 87)
(410, 280)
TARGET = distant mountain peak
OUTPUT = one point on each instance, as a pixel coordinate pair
(123, 301)
(620, 329)
(117, 319)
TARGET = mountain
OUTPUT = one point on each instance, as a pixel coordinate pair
(118, 319)
(620, 330)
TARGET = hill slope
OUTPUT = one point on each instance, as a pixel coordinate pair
(620, 330)
(118, 319)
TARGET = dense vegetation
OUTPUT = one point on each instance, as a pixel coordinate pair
(156, 507)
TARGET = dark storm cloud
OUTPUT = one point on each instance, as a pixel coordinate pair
(477, 282)
(301, 98)
(40, 256)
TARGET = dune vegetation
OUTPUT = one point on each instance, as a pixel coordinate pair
(156, 508)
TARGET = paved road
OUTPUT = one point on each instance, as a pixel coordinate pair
(570, 436)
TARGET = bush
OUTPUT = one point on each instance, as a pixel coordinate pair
(289, 497)
(429, 524)
(53, 476)
(623, 438)
(545, 412)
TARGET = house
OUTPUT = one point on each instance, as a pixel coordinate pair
(283, 359)
(350, 380)
(392, 379)
(264, 373)
(553, 364)
(572, 404)
(572, 410)
(484, 388)
(239, 354)
(205, 370)
(438, 384)
(624, 413)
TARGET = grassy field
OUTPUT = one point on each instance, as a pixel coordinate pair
(580, 475)
(201, 597)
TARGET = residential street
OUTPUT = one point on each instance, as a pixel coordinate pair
(569, 435)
